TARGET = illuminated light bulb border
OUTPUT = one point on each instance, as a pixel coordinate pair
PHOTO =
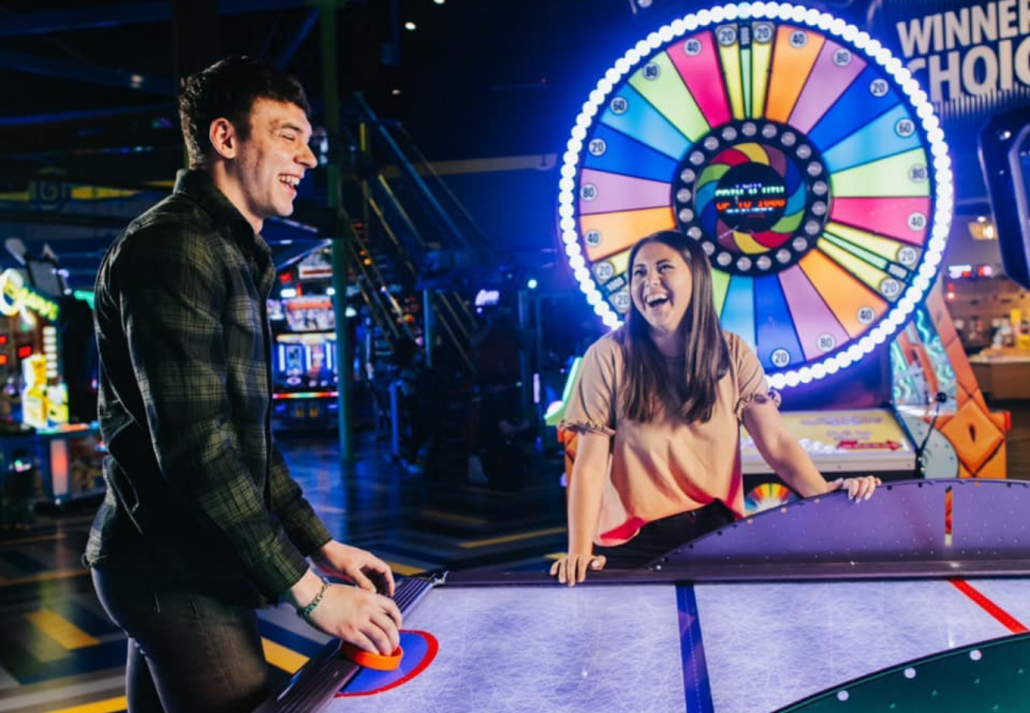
(872, 50)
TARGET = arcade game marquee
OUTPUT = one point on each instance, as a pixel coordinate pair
(812, 170)
(810, 166)
(37, 438)
(305, 374)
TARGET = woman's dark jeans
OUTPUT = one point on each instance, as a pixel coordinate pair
(660, 537)
(188, 652)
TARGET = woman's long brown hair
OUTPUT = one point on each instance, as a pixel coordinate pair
(693, 390)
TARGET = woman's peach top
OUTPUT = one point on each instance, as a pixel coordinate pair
(666, 466)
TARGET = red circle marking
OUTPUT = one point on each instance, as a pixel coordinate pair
(432, 647)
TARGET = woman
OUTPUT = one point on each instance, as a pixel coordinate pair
(663, 398)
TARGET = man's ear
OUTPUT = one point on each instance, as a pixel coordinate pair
(223, 137)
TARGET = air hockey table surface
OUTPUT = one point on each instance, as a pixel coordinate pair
(915, 600)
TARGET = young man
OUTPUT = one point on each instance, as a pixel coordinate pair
(202, 522)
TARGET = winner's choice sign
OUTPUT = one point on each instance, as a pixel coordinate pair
(971, 57)
(969, 51)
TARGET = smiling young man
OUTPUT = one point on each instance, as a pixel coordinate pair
(202, 523)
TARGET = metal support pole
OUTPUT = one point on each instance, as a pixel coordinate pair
(525, 362)
(395, 420)
(538, 356)
(428, 326)
(343, 232)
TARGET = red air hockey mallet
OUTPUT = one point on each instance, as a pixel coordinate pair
(368, 659)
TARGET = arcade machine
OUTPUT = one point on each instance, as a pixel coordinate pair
(1005, 159)
(812, 170)
(304, 369)
(63, 458)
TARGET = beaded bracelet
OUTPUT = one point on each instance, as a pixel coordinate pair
(306, 611)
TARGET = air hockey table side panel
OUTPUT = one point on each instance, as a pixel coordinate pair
(985, 677)
(917, 520)
(532, 649)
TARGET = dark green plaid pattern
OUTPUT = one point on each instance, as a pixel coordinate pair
(194, 476)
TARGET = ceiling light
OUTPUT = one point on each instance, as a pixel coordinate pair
(409, 25)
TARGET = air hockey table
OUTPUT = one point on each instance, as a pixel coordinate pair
(915, 600)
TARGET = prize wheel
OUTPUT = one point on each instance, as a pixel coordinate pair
(800, 154)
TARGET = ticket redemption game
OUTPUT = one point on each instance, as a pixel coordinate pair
(1005, 158)
(809, 165)
(38, 440)
(304, 369)
(1004, 145)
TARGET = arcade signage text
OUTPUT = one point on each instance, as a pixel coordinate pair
(969, 51)
(15, 294)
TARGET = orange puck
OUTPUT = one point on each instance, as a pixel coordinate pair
(371, 660)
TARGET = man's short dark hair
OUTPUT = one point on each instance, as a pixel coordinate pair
(227, 89)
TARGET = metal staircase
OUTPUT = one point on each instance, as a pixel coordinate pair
(415, 248)
(417, 243)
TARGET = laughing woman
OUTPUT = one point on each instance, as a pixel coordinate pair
(657, 412)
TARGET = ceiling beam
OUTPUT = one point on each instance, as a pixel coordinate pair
(99, 17)
(62, 117)
(126, 171)
(84, 72)
(79, 220)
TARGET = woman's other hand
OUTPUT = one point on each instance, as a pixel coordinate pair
(858, 489)
(572, 568)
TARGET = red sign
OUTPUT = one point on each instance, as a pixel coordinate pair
(869, 445)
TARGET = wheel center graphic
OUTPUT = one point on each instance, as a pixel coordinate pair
(750, 198)
(755, 195)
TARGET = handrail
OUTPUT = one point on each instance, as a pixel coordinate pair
(415, 223)
(392, 314)
(454, 200)
(446, 301)
(437, 211)
(466, 357)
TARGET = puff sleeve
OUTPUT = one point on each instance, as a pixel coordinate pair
(752, 387)
(592, 404)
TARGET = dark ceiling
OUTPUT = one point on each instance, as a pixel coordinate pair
(477, 78)
(89, 91)
(88, 87)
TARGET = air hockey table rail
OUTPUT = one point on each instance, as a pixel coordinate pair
(801, 608)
